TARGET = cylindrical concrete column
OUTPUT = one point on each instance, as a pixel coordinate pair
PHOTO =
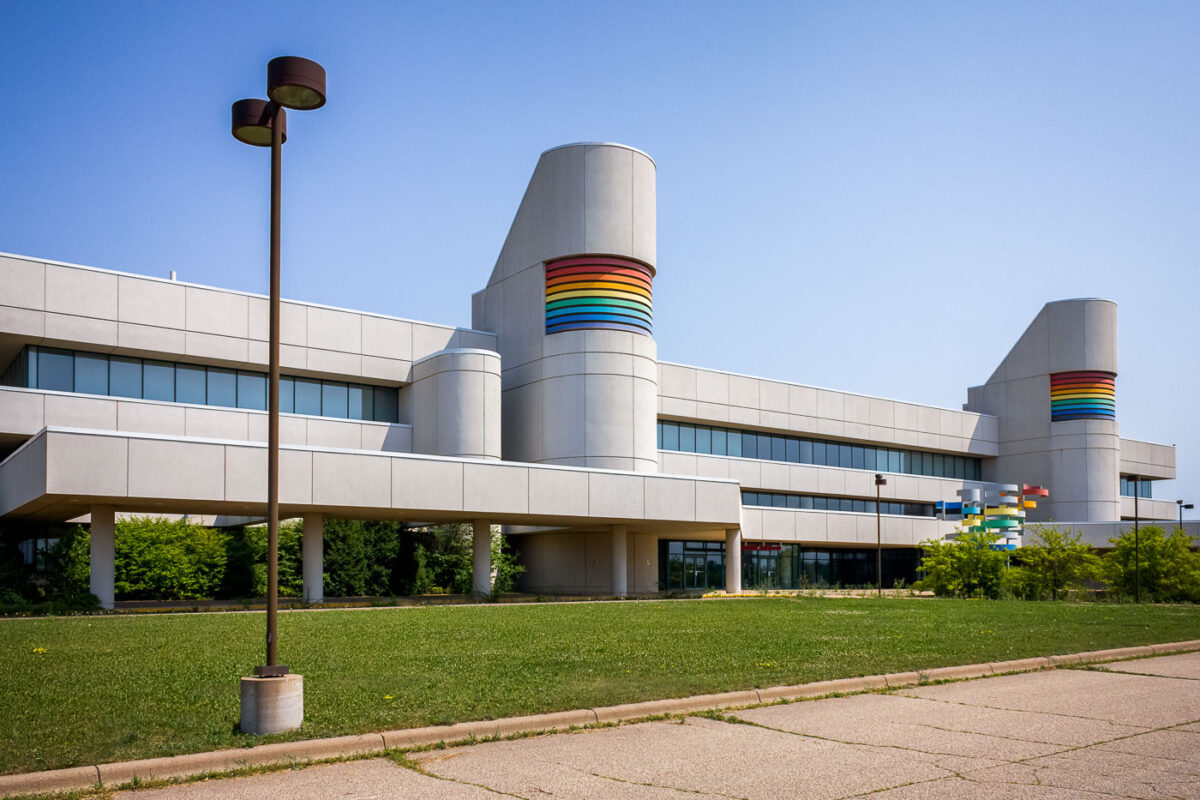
(620, 561)
(733, 560)
(103, 554)
(482, 557)
(313, 548)
(455, 398)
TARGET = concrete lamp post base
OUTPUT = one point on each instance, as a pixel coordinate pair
(272, 705)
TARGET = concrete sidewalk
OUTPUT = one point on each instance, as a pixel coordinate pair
(1126, 729)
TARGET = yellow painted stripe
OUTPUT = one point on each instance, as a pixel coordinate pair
(641, 298)
(570, 287)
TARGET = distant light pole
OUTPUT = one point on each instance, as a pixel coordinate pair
(299, 84)
(879, 481)
(1182, 506)
(1137, 559)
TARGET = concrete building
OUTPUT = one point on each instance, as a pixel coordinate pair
(612, 472)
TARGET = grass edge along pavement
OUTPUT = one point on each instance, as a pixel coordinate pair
(89, 690)
(70, 784)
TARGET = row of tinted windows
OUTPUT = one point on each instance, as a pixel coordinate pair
(818, 503)
(688, 438)
(119, 376)
(1128, 484)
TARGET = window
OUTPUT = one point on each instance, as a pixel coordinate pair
(222, 387)
(687, 439)
(125, 377)
(56, 370)
(387, 402)
(91, 373)
(287, 395)
(670, 436)
(191, 384)
(308, 396)
(252, 390)
(334, 400)
(703, 439)
(158, 380)
(718, 441)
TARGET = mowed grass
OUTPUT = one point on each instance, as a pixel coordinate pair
(122, 687)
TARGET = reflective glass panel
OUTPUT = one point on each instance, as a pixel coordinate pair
(778, 448)
(718, 441)
(191, 384)
(749, 445)
(869, 461)
(806, 451)
(158, 381)
(308, 396)
(125, 377)
(222, 387)
(334, 399)
(844, 458)
(56, 370)
(91, 373)
(857, 458)
(703, 440)
(287, 395)
(733, 443)
(670, 436)
(687, 439)
(252, 390)
(764, 446)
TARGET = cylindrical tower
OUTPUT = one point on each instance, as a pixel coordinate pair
(456, 404)
(571, 301)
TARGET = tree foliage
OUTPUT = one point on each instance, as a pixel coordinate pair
(168, 559)
(964, 567)
(1170, 568)
(1051, 564)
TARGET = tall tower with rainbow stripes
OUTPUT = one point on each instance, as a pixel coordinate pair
(1055, 397)
(571, 300)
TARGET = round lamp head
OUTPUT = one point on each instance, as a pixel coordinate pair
(252, 122)
(296, 82)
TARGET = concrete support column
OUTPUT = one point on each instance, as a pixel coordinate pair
(103, 552)
(313, 549)
(620, 561)
(482, 552)
(733, 560)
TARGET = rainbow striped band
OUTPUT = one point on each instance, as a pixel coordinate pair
(588, 292)
(1083, 395)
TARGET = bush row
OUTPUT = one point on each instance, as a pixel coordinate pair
(1054, 564)
(161, 559)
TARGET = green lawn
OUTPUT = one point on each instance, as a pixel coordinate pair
(114, 688)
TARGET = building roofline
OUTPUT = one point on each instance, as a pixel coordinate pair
(155, 278)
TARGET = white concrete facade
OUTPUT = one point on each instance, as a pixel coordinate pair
(547, 430)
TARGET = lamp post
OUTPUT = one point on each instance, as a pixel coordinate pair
(1137, 558)
(1182, 506)
(299, 84)
(879, 481)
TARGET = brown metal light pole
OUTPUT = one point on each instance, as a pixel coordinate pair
(879, 481)
(1137, 559)
(1182, 505)
(299, 84)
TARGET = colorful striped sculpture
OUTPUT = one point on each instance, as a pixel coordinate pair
(998, 509)
(598, 292)
(1083, 395)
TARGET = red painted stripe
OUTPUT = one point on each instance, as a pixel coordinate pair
(582, 261)
(1084, 374)
(598, 277)
(554, 272)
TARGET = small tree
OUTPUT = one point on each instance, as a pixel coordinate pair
(1054, 562)
(504, 562)
(1170, 569)
(161, 559)
(965, 567)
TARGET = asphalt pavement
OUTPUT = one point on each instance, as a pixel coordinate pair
(1124, 729)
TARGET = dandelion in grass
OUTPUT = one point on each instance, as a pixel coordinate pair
(388, 697)
(39, 651)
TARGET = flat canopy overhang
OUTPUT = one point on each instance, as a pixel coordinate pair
(60, 473)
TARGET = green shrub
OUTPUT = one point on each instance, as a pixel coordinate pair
(504, 562)
(1051, 564)
(246, 561)
(1170, 569)
(161, 559)
(965, 567)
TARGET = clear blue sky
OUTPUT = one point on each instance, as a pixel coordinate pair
(876, 197)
